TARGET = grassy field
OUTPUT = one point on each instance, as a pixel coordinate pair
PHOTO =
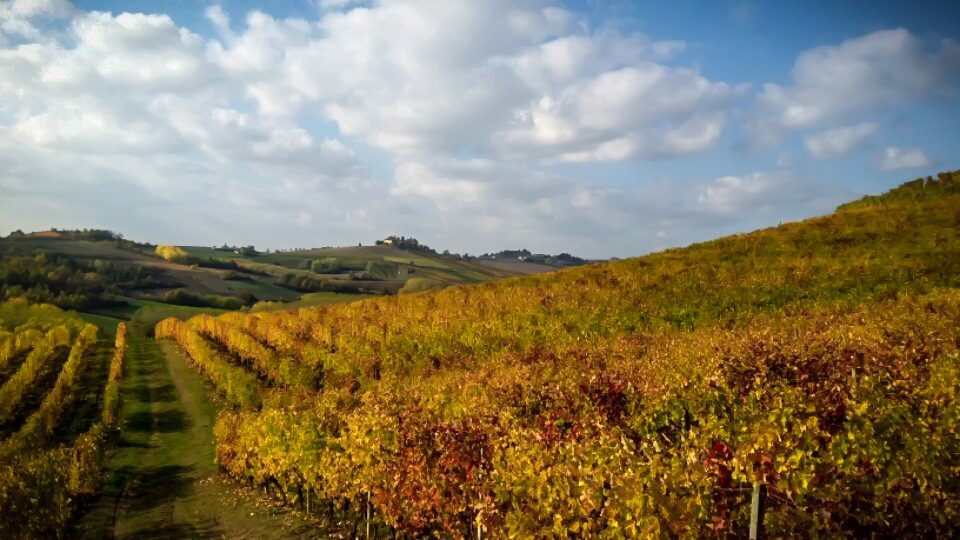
(81, 249)
(263, 288)
(162, 480)
(149, 316)
(107, 325)
(210, 253)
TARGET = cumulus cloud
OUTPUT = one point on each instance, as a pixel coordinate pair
(863, 74)
(131, 111)
(603, 97)
(839, 142)
(468, 111)
(19, 17)
(764, 192)
(646, 110)
(517, 76)
(475, 182)
(903, 158)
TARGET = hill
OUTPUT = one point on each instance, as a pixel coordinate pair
(815, 362)
(109, 278)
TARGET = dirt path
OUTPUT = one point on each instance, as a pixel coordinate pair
(162, 481)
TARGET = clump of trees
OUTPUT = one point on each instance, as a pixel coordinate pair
(70, 284)
(303, 282)
(380, 270)
(184, 298)
(563, 259)
(174, 254)
(246, 251)
(405, 242)
(327, 265)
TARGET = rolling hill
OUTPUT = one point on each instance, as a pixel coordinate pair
(814, 363)
(108, 278)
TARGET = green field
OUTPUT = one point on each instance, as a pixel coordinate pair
(262, 288)
(107, 325)
(126, 311)
(210, 253)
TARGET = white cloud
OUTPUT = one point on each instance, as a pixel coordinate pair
(863, 74)
(18, 17)
(645, 110)
(434, 78)
(732, 193)
(839, 142)
(127, 115)
(453, 182)
(260, 132)
(903, 158)
(335, 4)
(758, 193)
(562, 214)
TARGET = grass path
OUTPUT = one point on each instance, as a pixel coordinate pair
(162, 481)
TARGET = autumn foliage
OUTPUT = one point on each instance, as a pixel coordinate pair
(45, 473)
(641, 398)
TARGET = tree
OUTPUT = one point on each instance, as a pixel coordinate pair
(172, 254)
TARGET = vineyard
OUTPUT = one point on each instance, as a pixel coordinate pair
(59, 404)
(642, 398)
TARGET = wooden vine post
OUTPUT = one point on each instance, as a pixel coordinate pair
(756, 510)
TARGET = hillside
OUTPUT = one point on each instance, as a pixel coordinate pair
(108, 278)
(643, 398)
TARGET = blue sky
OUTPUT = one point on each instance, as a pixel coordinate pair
(599, 128)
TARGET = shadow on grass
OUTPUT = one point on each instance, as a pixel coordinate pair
(177, 531)
(162, 422)
(150, 487)
(126, 443)
(163, 394)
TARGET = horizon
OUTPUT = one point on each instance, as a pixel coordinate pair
(603, 131)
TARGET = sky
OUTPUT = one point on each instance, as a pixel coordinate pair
(603, 129)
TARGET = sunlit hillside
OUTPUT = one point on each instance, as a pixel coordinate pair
(642, 398)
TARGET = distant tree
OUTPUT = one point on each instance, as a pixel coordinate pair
(173, 254)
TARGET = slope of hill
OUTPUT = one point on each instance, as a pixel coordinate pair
(109, 278)
(397, 264)
(643, 398)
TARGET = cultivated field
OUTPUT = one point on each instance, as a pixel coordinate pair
(816, 362)
(59, 405)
